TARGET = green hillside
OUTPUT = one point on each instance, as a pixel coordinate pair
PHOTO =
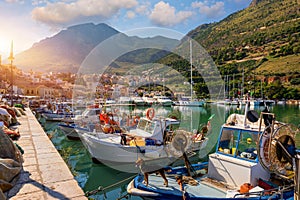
(268, 28)
(263, 41)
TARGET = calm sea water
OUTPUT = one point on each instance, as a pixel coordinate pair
(91, 176)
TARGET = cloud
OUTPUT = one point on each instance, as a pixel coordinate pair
(165, 15)
(130, 14)
(15, 1)
(143, 9)
(62, 13)
(212, 11)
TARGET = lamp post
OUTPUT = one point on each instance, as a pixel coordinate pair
(11, 59)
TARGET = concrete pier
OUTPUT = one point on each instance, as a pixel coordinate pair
(45, 175)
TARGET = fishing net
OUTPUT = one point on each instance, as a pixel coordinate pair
(10, 163)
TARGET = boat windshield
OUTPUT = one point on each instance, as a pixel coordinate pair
(146, 125)
(89, 112)
(238, 143)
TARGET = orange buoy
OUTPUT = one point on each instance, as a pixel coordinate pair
(150, 113)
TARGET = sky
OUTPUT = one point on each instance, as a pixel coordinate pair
(26, 22)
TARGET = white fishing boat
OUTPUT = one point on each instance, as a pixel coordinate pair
(253, 160)
(151, 140)
(89, 115)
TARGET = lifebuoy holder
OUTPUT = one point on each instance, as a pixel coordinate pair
(150, 113)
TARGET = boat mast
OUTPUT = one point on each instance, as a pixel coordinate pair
(191, 62)
(11, 59)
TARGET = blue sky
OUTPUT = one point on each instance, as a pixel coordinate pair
(29, 21)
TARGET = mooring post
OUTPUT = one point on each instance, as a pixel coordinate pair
(297, 175)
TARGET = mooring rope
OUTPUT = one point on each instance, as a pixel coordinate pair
(102, 189)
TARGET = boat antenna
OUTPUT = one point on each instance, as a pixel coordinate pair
(246, 110)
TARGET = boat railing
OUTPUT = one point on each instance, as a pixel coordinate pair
(274, 192)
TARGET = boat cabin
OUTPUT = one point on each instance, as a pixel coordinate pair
(155, 129)
(235, 161)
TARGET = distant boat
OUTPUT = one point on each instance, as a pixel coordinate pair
(58, 112)
(163, 100)
(125, 100)
(139, 101)
(186, 101)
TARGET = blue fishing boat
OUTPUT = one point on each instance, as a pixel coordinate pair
(254, 159)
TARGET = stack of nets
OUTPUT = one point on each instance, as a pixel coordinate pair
(10, 164)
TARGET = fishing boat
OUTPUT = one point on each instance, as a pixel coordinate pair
(69, 130)
(253, 160)
(57, 112)
(150, 140)
(57, 116)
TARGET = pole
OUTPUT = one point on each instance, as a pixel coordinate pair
(191, 62)
(11, 58)
(297, 176)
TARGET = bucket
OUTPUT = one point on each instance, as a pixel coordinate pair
(137, 143)
(233, 151)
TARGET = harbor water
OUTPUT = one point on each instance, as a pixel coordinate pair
(110, 183)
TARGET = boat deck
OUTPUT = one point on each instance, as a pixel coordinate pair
(156, 184)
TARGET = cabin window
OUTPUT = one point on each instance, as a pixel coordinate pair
(147, 126)
(228, 141)
(238, 143)
(247, 145)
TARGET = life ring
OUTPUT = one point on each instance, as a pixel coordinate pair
(150, 113)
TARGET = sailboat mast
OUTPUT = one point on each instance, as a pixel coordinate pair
(191, 62)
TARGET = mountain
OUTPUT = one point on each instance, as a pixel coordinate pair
(65, 51)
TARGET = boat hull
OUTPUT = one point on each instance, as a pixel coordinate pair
(106, 148)
(202, 191)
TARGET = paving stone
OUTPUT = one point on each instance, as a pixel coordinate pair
(54, 189)
(30, 196)
(53, 173)
(49, 158)
(45, 175)
(30, 161)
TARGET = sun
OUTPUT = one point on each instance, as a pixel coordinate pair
(5, 45)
